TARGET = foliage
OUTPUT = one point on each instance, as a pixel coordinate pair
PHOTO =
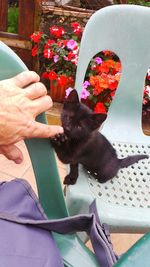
(135, 2)
(140, 2)
(13, 14)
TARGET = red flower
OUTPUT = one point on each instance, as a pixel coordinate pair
(71, 56)
(148, 76)
(35, 37)
(62, 43)
(77, 28)
(108, 53)
(45, 75)
(112, 93)
(34, 51)
(52, 75)
(48, 53)
(78, 31)
(70, 81)
(117, 66)
(113, 85)
(49, 43)
(57, 31)
(75, 25)
(62, 80)
(103, 68)
(100, 108)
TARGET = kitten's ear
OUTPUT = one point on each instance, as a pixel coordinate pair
(96, 119)
(73, 97)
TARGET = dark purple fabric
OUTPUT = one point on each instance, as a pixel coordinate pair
(18, 203)
(22, 245)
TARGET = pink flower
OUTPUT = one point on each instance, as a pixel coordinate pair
(68, 91)
(145, 101)
(56, 58)
(147, 90)
(85, 94)
(65, 58)
(98, 60)
(72, 44)
(86, 84)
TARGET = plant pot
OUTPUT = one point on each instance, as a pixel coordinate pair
(146, 122)
(58, 92)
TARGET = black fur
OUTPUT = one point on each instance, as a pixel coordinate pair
(82, 143)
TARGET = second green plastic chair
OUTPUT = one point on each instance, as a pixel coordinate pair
(124, 202)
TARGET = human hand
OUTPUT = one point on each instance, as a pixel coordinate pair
(19, 108)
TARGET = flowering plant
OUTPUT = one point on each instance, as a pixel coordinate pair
(146, 99)
(102, 80)
(58, 55)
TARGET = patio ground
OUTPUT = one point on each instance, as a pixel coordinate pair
(9, 170)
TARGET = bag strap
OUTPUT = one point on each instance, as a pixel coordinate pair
(99, 233)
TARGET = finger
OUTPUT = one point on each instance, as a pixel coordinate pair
(35, 90)
(40, 130)
(12, 152)
(25, 78)
(41, 104)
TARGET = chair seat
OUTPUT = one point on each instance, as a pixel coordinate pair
(131, 187)
(124, 201)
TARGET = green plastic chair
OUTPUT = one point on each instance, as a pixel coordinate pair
(138, 255)
(73, 250)
(124, 202)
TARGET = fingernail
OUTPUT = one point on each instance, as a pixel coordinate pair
(61, 129)
(18, 161)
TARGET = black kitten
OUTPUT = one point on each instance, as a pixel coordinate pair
(82, 143)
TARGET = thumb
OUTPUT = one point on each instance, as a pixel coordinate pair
(12, 152)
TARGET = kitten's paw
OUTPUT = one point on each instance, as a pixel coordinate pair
(70, 179)
(59, 139)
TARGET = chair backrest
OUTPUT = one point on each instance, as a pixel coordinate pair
(41, 153)
(124, 30)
